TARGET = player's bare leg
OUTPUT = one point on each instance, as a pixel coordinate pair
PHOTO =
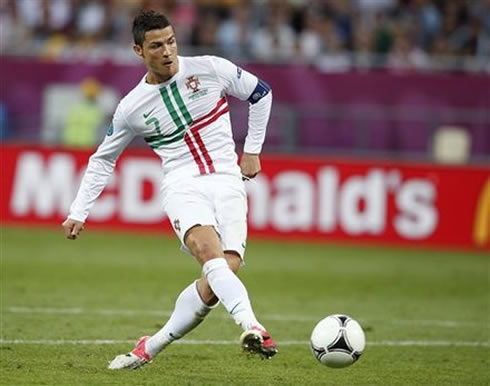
(220, 279)
(194, 303)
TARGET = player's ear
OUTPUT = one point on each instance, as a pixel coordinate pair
(138, 50)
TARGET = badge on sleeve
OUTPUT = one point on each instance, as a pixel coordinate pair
(110, 130)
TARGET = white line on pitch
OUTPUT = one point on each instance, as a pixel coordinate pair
(78, 311)
(275, 317)
(434, 343)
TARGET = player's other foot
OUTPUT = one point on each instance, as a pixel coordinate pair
(258, 341)
(134, 359)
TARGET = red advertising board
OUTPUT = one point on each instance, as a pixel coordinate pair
(317, 199)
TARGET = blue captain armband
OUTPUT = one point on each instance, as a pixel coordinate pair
(261, 90)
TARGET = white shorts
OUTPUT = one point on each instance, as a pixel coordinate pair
(219, 200)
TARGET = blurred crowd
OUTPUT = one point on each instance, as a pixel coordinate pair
(333, 35)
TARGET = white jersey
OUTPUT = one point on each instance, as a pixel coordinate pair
(185, 120)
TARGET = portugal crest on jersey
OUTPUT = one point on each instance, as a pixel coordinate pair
(193, 83)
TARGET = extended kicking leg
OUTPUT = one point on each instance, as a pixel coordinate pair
(232, 293)
(229, 289)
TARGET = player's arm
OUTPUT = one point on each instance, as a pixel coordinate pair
(99, 170)
(260, 103)
(246, 86)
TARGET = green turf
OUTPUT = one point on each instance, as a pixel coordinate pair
(90, 289)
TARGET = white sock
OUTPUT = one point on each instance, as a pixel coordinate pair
(188, 313)
(229, 289)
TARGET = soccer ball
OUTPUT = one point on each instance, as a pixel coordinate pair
(337, 341)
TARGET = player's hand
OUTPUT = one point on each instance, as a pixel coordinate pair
(250, 165)
(72, 228)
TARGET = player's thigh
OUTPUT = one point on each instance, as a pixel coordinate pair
(187, 206)
(231, 215)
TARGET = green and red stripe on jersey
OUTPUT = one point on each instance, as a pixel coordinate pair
(191, 137)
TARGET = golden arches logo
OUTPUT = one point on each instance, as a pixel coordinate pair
(481, 228)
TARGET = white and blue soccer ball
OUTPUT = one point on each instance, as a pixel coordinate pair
(337, 341)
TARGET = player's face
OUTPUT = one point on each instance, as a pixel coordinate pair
(159, 51)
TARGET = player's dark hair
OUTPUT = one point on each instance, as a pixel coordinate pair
(145, 21)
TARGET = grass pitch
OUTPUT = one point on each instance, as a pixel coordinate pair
(67, 308)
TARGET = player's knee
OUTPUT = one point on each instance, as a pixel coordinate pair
(202, 249)
(205, 292)
(234, 268)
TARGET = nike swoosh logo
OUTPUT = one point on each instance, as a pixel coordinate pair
(148, 114)
(233, 310)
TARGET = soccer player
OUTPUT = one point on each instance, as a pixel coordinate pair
(181, 110)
